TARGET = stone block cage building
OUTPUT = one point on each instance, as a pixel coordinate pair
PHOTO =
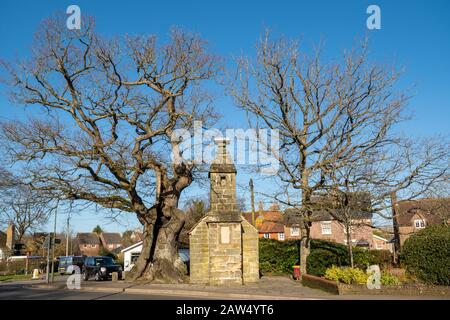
(223, 245)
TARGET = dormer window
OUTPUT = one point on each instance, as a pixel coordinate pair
(419, 224)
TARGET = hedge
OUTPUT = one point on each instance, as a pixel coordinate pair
(278, 257)
(426, 255)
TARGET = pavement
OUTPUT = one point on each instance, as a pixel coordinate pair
(268, 288)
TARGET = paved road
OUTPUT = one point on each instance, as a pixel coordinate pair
(20, 292)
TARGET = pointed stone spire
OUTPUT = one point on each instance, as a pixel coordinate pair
(222, 174)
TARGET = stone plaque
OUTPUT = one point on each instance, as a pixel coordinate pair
(224, 235)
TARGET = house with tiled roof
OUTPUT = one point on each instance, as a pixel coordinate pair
(410, 216)
(269, 223)
(88, 243)
(111, 241)
(329, 220)
(326, 222)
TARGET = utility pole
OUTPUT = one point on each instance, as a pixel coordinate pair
(53, 244)
(68, 234)
(47, 243)
(252, 194)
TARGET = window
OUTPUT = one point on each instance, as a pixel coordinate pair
(379, 245)
(295, 231)
(266, 235)
(134, 257)
(326, 227)
(281, 236)
(92, 245)
(419, 224)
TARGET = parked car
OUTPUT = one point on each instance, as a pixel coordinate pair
(66, 261)
(101, 268)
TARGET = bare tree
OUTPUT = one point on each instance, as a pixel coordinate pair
(329, 116)
(106, 115)
(26, 208)
(195, 211)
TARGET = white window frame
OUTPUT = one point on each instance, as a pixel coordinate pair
(419, 223)
(266, 235)
(281, 236)
(325, 230)
(295, 233)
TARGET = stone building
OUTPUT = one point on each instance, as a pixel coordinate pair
(223, 245)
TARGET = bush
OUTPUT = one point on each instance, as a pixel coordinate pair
(388, 279)
(319, 260)
(426, 255)
(19, 266)
(362, 258)
(277, 257)
(346, 275)
(106, 253)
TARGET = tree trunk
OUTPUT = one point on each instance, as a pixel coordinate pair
(349, 244)
(304, 246)
(159, 259)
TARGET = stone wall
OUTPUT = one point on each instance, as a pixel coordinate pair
(199, 254)
(223, 192)
(250, 259)
(225, 249)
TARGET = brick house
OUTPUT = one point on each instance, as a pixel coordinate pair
(410, 216)
(88, 244)
(328, 220)
(3, 249)
(111, 241)
(269, 223)
(380, 243)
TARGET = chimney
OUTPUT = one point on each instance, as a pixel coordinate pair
(11, 236)
(260, 207)
(274, 207)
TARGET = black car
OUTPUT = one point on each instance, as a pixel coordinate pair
(101, 268)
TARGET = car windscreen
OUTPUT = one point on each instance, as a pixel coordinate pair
(104, 261)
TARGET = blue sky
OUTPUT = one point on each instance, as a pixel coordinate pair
(415, 36)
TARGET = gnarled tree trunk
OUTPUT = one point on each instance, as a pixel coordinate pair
(159, 259)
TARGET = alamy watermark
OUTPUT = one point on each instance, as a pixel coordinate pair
(74, 280)
(252, 147)
(374, 278)
(374, 20)
(73, 22)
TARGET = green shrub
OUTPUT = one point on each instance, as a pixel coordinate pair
(346, 275)
(362, 258)
(426, 255)
(340, 251)
(277, 257)
(319, 260)
(388, 279)
(106, 253)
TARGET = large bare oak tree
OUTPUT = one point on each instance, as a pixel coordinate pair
(104, 112)
(331, 116)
